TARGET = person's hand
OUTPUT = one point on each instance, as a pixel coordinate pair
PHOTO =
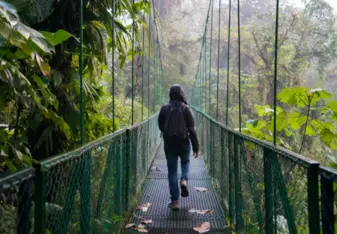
(195, 154)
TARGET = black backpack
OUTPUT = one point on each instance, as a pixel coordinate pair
(175, 124)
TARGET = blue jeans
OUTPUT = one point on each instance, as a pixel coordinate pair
(172, 153)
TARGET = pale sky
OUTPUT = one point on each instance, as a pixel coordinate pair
(333, 3)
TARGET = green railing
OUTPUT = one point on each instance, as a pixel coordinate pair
(263, 188)
(88, 190)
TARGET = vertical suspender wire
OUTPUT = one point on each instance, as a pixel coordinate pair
(218, 72)
(196, 80)
(162, 84)
(113, 66)
(199, 84)
(81, 76)
(239, 64)
(148, 68)
(275, 67)
(228, 54)
(154, 75)
(210, 61)
(132, 69)
(205, 55)
(143, 55)
(204, 76)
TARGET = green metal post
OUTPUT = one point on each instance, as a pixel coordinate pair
(238, 192)
(223, 167)
(230, 177)
(313, 199)
(104, 180)
(40, 201)
(268, 190)
(127, 155)
(117, 176)
(85, 196)
(327, 207)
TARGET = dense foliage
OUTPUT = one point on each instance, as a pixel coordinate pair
(40, 98)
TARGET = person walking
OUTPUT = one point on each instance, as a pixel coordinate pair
(176, 123)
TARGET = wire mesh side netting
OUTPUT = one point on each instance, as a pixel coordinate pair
(90, 189)
(262, 188)
(16, 206)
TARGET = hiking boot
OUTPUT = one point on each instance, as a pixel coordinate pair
(184, 190)
(174, 205)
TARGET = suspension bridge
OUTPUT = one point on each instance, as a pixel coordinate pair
(118, 183)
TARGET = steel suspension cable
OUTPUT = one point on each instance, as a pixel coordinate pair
(218, 71)
(143, 54)
(202, 65)
(148, 68)
(113, 66)
(81, 76)
(228, 60)
(204, 101)
(239, 64)
(205, 55)
(132, 69)
(154, 74)
(275, 66)
(210, 61)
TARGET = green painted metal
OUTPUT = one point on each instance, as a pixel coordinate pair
(81, 76)
(113, 66)
(218, 70)
(327, 199)
(85, 196)
(313, 198)
(148, 67)
(239, 63)
(143, 64)
(275, 66)
(154, 79)
(132, 69)
(268, 190)
(25, 206)
(259, 170)
(118, 208)
(210, 60)
(40, 201)
(228, 56)
(239, 225)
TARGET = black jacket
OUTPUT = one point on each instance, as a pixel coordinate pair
(177, 98)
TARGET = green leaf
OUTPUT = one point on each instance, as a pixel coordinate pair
(10, 166)
(309, 131)
(329, 138)
(332, 105)
(296, 96)
(57, 37)
(263, 110)
(281, 121)
(296, 123)
(44, 67)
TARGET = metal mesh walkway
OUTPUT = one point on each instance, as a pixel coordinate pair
(165, 220)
